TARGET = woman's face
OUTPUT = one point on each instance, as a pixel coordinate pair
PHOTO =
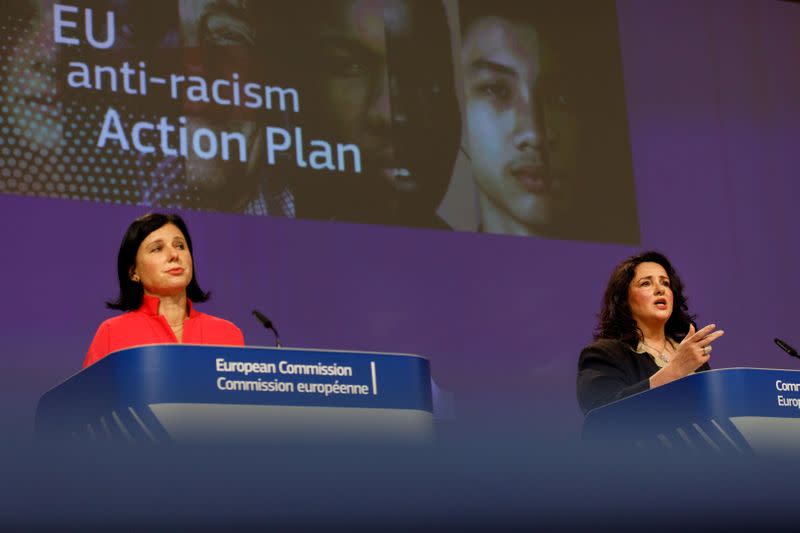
(163, 262)
(519, 136)
(354, 81)
(650, 294)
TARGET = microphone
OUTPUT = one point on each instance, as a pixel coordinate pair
(267, 323)
(786, 348)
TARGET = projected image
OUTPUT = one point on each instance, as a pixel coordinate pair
(528, 127)
(376, 74)
(31, 131)
(30, 109)
(226, 54)
(46, 140)
(338, 110)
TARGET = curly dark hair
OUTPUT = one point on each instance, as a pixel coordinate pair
(131, 293)
(615, 320)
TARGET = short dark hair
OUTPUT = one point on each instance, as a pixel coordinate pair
(131, 292)
(616, 321)
(530, 12)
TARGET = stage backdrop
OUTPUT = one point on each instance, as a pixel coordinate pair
(454, 179)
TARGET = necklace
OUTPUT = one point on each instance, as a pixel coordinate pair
(661, 354)
(176, 328)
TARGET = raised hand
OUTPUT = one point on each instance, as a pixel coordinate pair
(692, 353)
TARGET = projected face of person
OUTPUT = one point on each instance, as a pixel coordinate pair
(222, 45)
(355, 81)
(30, 78)
(163, 262)
(519, 139)
(650, 294)
(377, 74)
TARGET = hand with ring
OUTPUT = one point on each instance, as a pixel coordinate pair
(694, 350)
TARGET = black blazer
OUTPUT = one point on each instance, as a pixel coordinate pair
(609, 370)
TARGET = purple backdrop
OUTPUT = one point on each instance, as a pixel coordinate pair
(713, 94)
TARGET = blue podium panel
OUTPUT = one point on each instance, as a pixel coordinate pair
(737, 410)
(178, 392)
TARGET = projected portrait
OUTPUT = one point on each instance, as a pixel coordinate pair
(521, 135)
(336, 110)
(528, 129)
(376, 74)
(222, 40)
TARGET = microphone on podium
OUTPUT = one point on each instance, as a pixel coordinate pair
(783, 345)
(267, 323)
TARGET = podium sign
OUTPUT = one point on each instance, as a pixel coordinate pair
(737, 410)
(177, 392)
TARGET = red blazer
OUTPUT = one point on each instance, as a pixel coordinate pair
(146, 326)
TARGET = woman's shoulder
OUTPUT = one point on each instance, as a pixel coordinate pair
(119, 320)
(214, 320)
(223, 330)
(607, 346)
(606, 349)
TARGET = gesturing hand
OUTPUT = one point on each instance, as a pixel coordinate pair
(694, 349)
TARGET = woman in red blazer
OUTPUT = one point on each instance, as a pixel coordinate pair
(157, 289)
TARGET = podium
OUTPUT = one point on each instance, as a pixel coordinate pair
(740, 411)
(176, 393)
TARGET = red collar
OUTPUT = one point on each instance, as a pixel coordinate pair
(150, 306)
